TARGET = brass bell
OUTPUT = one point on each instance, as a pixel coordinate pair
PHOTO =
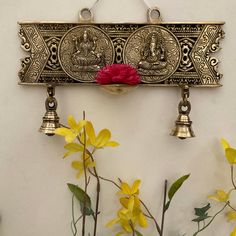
(50, 119)
(183, 124)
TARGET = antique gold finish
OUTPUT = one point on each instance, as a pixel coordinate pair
(50, 119)
(183, 124)
(164, 54)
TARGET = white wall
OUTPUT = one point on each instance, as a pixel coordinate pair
(34, 199)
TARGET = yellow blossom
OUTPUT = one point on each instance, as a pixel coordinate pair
(234, 232)
(72, 148)
(79, 165)
(231, 215)
(101, 140)
(220, 196)
(130, 215)
(126, 189)
(73, 131)
(230, 153)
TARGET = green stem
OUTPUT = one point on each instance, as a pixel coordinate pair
(227, 204)
(163, 210)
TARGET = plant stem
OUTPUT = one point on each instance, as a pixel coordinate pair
(153, 218)
(74, 231)
(102, 178)
(95, 174)
(97, 201)
(85, 180)
(232, 176)
(227, 204)
(232, 207)
(132, 227)
(163, 210)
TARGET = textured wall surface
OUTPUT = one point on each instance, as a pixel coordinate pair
(34, 199)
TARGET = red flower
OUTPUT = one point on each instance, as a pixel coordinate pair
(118, 74)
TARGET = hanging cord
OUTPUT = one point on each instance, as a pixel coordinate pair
(153, 13)
(149, 6)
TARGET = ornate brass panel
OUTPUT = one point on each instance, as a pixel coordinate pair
(165, 54)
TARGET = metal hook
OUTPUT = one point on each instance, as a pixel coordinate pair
(86, 15)
(154, 15)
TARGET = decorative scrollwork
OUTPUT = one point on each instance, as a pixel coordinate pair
(25, 44)
(119, 44)
(166, 54)
(186, 63)
(53, 61)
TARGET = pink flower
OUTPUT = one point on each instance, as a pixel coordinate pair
(118, 74)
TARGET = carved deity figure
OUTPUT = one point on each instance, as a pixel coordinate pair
(153, 53)
(85, 56)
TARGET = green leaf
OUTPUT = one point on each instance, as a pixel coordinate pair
(83, 199)
(138, 233)
(174, 188)
(201, 213)
(201, 218)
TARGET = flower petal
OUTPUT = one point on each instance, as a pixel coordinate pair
(142, 220)
(62, 131)
(113, 222)
(74, 147)
(120, 233)
(220, 196)
(70, 137)
(79, 174)
(71, 122)
(103, 138)
(124, 202)
(80, 125)
(125, 188)
(224, 143)
(67, 154)
(112, 144)
(234, 232)
(90, 132)
(78, 165)
(231, 215)
(135, 186)
(131, 204)
(230, 154)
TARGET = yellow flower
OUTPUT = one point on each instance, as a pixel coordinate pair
(230, 152)
(79, 165)
(220, 196)
(234, 232)
(101, 140)
(231, 215)
(130, 215)
(72, 148)
(130, 190)
(71, 133)
(134, 206)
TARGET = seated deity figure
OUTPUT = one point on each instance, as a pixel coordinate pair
(153, 55)
(85, 56)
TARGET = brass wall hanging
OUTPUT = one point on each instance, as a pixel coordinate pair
(164, 54)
